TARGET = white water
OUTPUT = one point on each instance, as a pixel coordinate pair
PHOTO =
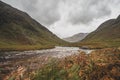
(58, 52)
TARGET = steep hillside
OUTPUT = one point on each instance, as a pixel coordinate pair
(107, 34)
(19, 31)
(76, 37)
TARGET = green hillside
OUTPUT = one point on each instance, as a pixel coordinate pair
(106, 35)
(18, 31)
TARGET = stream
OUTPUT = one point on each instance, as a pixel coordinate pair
(10, 62)
(57, 52)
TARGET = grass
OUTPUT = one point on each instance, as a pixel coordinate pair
(99, 65)
(98, 44)
(12, 78)
(10, 45)
(24, 47)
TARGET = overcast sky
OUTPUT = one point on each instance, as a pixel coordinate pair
(68, 17)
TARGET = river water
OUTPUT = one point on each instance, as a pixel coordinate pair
(11, 61)
(57, 52)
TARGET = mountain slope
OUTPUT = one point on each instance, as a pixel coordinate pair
(17, 28)
(107, 34)
(76, 37)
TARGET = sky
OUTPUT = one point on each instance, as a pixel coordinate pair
(68, 17)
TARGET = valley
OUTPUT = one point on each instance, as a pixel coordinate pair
(29, 50)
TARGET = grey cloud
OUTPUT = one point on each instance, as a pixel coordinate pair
(90, 10)
(45, 11)
(29, 5)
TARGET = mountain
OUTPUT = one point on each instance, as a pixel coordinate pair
(76, 37)
(19, 31)
(106, 35)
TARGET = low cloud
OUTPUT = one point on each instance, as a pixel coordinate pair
(86, 11)
(29, 5)
(45, 11)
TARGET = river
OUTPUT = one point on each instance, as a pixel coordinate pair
(13, 61)
(57, 52)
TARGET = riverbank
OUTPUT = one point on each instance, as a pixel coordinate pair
(11, 61)
(24, 47)
(64, 63)
(103, 64)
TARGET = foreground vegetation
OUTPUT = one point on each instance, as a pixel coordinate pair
(101, 64)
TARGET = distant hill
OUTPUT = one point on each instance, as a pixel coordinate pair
(76, 37)
(19, 31)
(106, 35)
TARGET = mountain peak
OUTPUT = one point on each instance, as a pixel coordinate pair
(76, 37)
